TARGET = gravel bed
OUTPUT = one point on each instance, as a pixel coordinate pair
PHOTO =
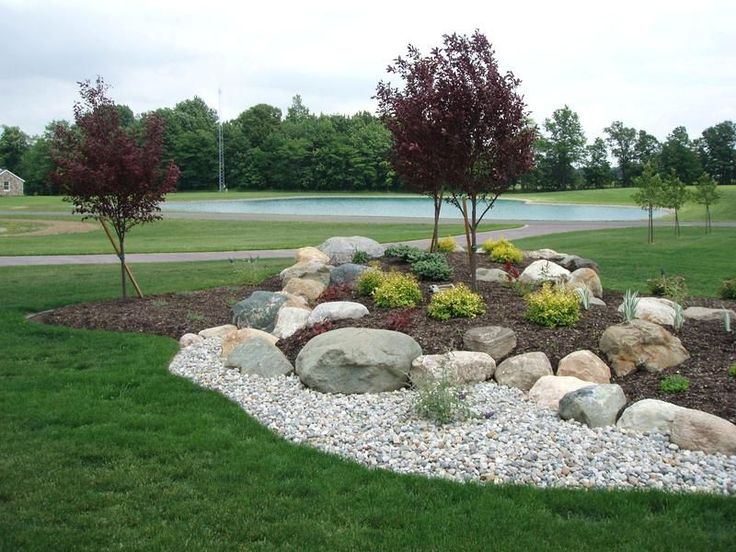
(508, 439)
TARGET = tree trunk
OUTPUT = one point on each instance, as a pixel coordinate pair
(677, 224)
(122, 267)
(437, 198)
(708, 227)
(651, 226)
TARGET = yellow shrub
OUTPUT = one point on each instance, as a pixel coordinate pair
(397, 290)
(446, 245)
(552, 306)
(369, 281)
(456, 302)
(502, 251)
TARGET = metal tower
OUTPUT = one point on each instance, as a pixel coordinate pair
(220, 144)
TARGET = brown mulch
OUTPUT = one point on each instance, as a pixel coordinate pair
(712, 350)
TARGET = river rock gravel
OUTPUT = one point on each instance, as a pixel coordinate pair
(506, 439)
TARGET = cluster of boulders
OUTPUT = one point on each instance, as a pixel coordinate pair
(362, 360)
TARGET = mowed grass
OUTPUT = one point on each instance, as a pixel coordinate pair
(626, 260)
(183, 235)
(102, 448)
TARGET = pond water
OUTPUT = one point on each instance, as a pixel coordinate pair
(411, 207)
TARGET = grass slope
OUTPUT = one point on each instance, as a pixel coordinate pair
(103, 448)
(627, 261)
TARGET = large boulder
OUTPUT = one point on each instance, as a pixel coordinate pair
(703, 313)
(654, 309)
(289, 321)
(494, 275)
(357, 360)
(238, 337)
(544, 271)
(340, 250)
(306, 254)
(296, 301)
(309, 270)
(544, 254)
(259, 310)
(586, 278)
(523, 371)
(586, 366)
(310, 290)
(594, 405)
(573, 263)
(259, 357)
(217, 331)
(649, 416)
(641, 344)
(346, 273)
(457, 367)
(336, 310)
(548, 390)
(496, 341)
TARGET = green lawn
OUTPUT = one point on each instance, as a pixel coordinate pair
(627, 261)
(177, 235)
(102, 448)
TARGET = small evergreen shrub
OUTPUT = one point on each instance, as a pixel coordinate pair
(502, 251)
(728, 289)
(674, 383)
(456, 302)
(446, 245)
(360, 257)
(441, 402)
(673, 288)
(432, 266)
(402, 251)
(397, 290)
(369, 281)
(552, 306)
(732, 370)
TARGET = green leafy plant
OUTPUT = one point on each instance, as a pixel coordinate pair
(397, 290)
(446, 245)
(728, 289)
(553, 306)
(456, 302)
(360, 257)
(674, 383)
(441, 402)
(732, 370)
(673, 288)
(432, 266)
(402, 251)
(369, 281)
(630, 304)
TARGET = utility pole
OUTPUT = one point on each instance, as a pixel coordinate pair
(220, 150)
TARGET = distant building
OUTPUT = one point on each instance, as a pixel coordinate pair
(10, 184)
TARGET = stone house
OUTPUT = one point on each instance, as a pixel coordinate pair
(10, 184)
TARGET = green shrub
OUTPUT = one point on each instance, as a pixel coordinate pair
(673, 288)
(432, 266)
(369, 281)
(728, 289)
(403, 252)
(732, 370)
(440, 402)
(506, 252)
(360, 257)
(397, 290)
(456, 302)
(551, 306)
(674, 383)
(446, 245)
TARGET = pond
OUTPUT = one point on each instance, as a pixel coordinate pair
(407, 207)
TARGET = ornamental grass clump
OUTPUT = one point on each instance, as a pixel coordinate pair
(629, 305)
(441, 402)
(502, 251)
(369, 281)
(397, 290)
(552, 306)
(456, 302)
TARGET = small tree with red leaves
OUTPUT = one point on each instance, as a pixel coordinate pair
(468, 131)
(106, 172)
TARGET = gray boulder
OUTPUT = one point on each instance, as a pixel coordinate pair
(573, 263)
(704, 313)
(494, 275)
(259, 357)
(594, 406)
(340, 249)
(336, 310)
(346, 273)
(544, 271)
(258, 311)
(523, 371)
(457, 367)
(307, 270)
(357, 360)
(496, 341)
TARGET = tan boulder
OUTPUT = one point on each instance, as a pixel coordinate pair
(309, 289)
(641, 344)
(548, 390)
(189, 339)
(294, 301)
(698, 430)
(586, 366)
(523, 371)
(218, 331)
(586, 278)
(654, 309)
(458, 367)
(703, 313)
(238, 337)
(308, 270)
(306, 254)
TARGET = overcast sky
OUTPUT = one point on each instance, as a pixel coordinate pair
(652, 64)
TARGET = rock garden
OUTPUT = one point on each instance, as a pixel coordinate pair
(542, 377)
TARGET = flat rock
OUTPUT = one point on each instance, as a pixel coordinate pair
(189, 339)
(586, 366)
(586, 278)
(523, 371)
(237, 337)
(310, 290)
(217, 331)
(548, 390)
(308, 270)
(594, 405)
(259, 357)
(336, 310)
(654, 309)
(289, 321)
(306, 254)
(357, 360)
(346, 273)
(544, 271)
(544, 254)
(494, 275)
(258, 310)
(457, 367)
(641, 344)
(340, 249)
(496, 341)
(703, 313)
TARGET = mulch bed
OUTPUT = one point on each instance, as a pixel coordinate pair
(712, 350)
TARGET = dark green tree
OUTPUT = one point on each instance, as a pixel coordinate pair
(646, 150)
(37, 165)
(674, 195)
(622, 141)
(706, 193)
(679, 155)
(563, 149)
(717, 149)
(597, 169)
(13, 144)
(648, 196)
(297, 110)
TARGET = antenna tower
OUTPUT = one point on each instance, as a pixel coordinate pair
(220, 144)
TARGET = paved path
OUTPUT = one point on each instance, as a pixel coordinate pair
(528, 229)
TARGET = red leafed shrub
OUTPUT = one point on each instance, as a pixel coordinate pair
(511, 270)
(400, 320)
(337, 292)
(308, 333)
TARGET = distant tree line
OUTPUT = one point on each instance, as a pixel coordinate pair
(302, 151)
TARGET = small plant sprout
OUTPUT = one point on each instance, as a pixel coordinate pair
(630, 304)
(679, 320)
(727, 321)
(674, 383)
(732, 370)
